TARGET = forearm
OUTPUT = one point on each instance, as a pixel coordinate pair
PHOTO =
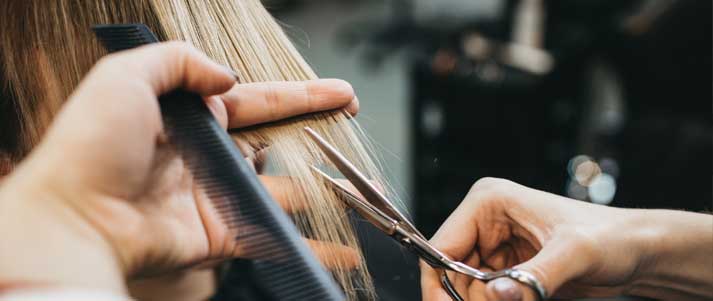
(678, 260)
(47, 245)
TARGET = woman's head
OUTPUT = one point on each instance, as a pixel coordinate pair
(47, 47)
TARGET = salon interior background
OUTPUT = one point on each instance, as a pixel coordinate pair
(601, 101)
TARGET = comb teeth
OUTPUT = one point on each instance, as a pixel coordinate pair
(262, 230)
(124, 36)
(282, 266)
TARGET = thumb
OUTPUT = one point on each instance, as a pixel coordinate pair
(558, 262)
(505, 289)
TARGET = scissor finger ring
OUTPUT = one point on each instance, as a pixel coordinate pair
(520, 276)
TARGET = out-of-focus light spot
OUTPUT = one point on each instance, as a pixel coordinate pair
(575, 161)
(444, 62)
(576, 191)
(432, 119)
(476, 47)
(586, 172)
(602, 189)
(609, 166)
(489, 72)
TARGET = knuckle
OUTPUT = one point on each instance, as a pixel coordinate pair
(179, 47)
(179, 50)
(109, 62)
(309, 97)
(490, 190)
(491, 185)
(272, 101)
(112, 64)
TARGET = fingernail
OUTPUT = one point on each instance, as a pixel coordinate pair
(507, 290)
(233, 73)
(353, 107)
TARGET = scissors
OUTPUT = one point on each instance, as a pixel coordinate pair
(381, 212)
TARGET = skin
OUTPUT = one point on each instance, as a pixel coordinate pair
(104, 199)
(575, 249)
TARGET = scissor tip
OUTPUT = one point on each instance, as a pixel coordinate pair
(316, 137)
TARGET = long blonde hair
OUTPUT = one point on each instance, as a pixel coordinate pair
(47, 47)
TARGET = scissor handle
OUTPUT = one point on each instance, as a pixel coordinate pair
(448, 286)
(520, 276)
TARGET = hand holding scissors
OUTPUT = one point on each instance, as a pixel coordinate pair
(381, 212)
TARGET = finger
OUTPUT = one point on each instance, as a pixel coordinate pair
(254, 103)
(480, 219)
(170, 65)
(462, 283)
(431, 289)
(334, 255)
(466, 285)
(353, 107)
(256, 156)
(465, 282)
(476, 291)
(500, 257)
(287, 193)
(473, 260)
(331, 255)
(260, 159)
(558, 262)
(459, 233)
(476, 288)
(216, 106)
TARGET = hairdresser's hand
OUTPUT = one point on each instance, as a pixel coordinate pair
(103, 197)
(575, 249)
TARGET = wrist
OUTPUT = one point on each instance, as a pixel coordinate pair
(50, 244)
(675, 261)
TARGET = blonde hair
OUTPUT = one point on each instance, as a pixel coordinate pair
(47, 47)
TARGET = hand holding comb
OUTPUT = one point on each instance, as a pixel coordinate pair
(281, 262)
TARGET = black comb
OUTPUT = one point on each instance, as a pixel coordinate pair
(281, 264)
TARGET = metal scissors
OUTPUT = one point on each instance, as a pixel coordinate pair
(381, 212)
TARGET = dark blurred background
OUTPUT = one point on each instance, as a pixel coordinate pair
(601, 101)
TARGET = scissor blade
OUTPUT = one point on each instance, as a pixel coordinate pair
(372, 214)
(361, 182)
